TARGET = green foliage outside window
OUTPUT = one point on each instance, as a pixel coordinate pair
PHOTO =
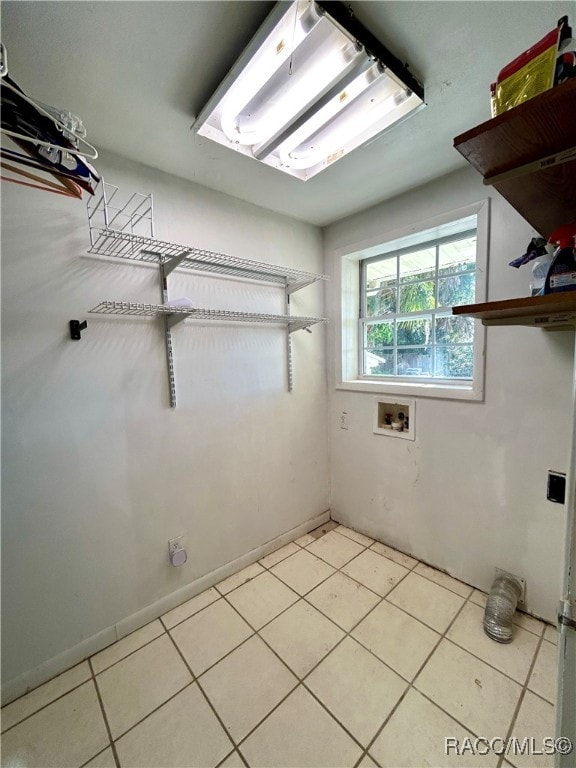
(450, 337)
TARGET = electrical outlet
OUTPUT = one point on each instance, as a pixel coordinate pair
(344, 420)
(175, 543)
(502, 572)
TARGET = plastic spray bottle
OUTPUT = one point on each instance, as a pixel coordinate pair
(562, 273)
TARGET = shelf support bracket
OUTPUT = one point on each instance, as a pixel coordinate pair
(174, 318)
(171, 262)
(288, 340)
(163, 273)
(297, 286)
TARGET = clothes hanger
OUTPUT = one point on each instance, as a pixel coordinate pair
(50, 137)
(3, 60)
(82, 172)
(67, 188)
(62, 143)
(74, 130)
(30, 162)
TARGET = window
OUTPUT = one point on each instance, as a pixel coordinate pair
(397, 334)
(406, 326)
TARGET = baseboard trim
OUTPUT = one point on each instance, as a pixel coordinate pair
(20, 685)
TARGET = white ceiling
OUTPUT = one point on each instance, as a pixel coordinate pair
(138, 72)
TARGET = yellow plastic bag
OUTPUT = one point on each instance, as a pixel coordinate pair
(528, 75)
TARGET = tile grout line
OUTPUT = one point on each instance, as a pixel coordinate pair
(87, 763)
(310, 671)
(385, 598)
(449, 714)
(411, 568)
(153, 711)
(204, 694)
(487, 663)
(95, 677)
(434, 703)
(220, 595)
(522, 696)
(127, 656)
(266, 568)
(453, 717)
(52, 701)
(301, 680)
(88, 658)
(229, 755)
(257, 632)
(411, 682)
(347, 633)
(303, 597)
(105, 717)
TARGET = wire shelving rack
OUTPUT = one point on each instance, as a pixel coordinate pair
(126, 231)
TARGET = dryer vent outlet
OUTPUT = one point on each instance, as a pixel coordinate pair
(501, 606)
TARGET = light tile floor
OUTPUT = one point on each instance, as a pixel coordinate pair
(332, 651)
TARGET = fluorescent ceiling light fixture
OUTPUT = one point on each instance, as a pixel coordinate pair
(312, 85)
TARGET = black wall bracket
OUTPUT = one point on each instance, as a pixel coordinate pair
(75, 329)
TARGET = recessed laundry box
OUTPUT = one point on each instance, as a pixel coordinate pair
(394, 416)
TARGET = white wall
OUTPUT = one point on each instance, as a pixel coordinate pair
(98, 472)
(470, 493)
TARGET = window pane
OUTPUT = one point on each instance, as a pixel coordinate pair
(418, 265)
(408, 329)
(381, 273)
(415, 361)
(455, 362)
(417, 297)
(414, 331)
(458, 256)
(379, 335)
(379, 362)
(459, 289)
(380, 302)
(454, 330)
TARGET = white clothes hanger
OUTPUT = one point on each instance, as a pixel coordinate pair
(3, 61)
(65, 130)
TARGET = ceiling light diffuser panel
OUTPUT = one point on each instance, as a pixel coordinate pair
(312, 85)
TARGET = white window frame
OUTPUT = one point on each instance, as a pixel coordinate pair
(347, 283)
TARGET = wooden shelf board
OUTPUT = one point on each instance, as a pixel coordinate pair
(539, 127)
(530, 132)
(554, 310)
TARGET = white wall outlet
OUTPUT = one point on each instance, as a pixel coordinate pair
(344, 420)
(175, 544)
(176, 552)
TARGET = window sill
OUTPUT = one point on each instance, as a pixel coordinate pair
(417, 389)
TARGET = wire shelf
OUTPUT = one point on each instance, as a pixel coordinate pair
(127, 245)
(123, 228)
(106, 210)
(293, 323)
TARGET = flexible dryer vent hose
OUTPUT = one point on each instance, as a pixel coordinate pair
(501, 607)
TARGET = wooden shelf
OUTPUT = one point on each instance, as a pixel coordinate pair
(556, 310)
(527, 134)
